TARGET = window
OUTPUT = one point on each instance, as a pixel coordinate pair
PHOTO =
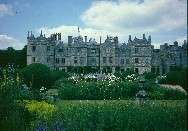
(136, 70)
(75, 60)
(136, 50)
(93, 51)
(60, 50)
(78, 50)
(63, 60)
(122, 61)
(57, 60)
(136, 60)
(127, 61)
(33, 48)
(48, 48)
(33, 59)
(48, 59)
(110, 59)
(81, 60)
(93, 60)
(104, 59)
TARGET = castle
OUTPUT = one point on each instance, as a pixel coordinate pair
(107, 56)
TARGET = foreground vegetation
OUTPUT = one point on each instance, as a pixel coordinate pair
(116, 115)
(87, 102)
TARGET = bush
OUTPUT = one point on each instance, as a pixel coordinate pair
(56, 75)
(36, 76)
(12, 113)
(149, 75)
(177, 77)
(96, 89)
(109, 90)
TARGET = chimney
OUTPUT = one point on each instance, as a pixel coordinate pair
(59, 36)
(144, 37)
(175, 43)
(116, 39)
(100, 39)
(69, 39)
(129, 37)
(85, 39)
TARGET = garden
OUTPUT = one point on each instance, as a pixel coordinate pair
(36, 98)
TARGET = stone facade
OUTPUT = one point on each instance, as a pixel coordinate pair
(137, 54)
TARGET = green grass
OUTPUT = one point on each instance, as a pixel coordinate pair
(92, 115)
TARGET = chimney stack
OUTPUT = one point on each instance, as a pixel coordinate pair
(144, 37)
(100, 39)
(59, 36)
(70, 39)
(85, 39)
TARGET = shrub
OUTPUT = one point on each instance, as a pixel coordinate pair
(177, 77)
(149, 75)
(96, 89)
(42, 110)
(36, 76)
(56, 75)
(12, 113)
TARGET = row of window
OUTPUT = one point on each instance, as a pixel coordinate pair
(122, 60)
(34, 48)
(93, 51)
(105, 60)
(57, 60)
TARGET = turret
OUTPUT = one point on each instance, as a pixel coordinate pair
(129, 38)
(41, 33)
(149, 39)
(100, 39)
(28, 35)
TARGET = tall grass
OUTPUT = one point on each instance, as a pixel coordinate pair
(122, 115)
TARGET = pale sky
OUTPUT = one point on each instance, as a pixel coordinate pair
(164, 20)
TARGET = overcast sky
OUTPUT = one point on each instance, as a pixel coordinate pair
(164, 20)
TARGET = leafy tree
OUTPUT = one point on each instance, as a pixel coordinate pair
(36, 75)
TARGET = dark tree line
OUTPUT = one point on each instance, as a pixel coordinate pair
(12, 56)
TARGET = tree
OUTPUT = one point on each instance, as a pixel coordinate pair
(36, 75)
